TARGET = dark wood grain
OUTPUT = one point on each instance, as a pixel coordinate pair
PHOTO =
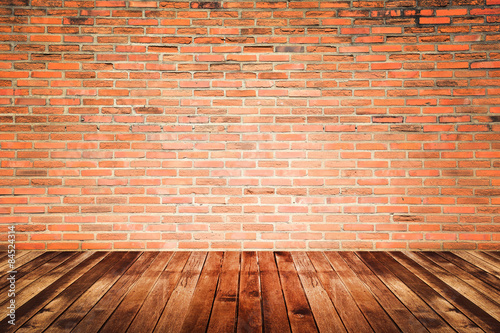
(380, 322)
(325, 314)
(274, 314)
(21, 258)
(434, 291)
(494, 254)
(223, 318)
(456, 268)
(44, 281)
(85, 315)
(90, 292)
(198, 313)
(152, 308)
(423, 312)
(249, 308)
(95, 266)
(4, 260)
(467, 299)
(103, 277)
(405, 320)
(481, 260)
(128, 308)
(175, 311)
(27, 268)
(299, 313)
(35, 272)
(470, 268)
(350, 314)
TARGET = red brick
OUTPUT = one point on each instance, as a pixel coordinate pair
(181, 128)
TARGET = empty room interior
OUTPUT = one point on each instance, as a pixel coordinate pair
(249, 166)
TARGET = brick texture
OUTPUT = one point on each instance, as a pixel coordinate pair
(250, 124)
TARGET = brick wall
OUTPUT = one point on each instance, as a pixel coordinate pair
(250, 125)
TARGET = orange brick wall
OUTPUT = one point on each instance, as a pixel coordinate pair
(250, 125)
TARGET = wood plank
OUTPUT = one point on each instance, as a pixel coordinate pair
(403, 318)
(94, 264)
(43, 282)
(27, 268)
(489, 254)
(198, 313)
(473, 270)
(350, 314)
(98, 315)
(249, 308)
(324, 312)
(420, 309)
(352, 291)
(495, 254)
(36, 273)
(223, 318)
(455, 268)
(43, 319)
(299, 313)
(129, 307)
(4, 260)
(435, 292)
(21, 258)
(457, 286)
(175, 311)
(98, 294)
(481, 260)
(148, 315)
(373, 312)
(274, 313)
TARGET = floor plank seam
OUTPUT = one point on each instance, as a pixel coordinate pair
(303, 291)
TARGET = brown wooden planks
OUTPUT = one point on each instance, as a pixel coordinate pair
(43, 282)
(223, 318)
(97, 298)
(299, 313)
(495, 258)
(94, 265)
(198, 313)
(371, 309)
(431, 289)
(391, 304)
(128, 308)
(28, 267)
(456, 269)
(494, 254)
(488, 278)
(147, 317)
(96, 317)
(274, 314)
(249, 307)
(351, 315)
(4, 259)
(481, 260)
(21, 258)
(59, 304)
(37, 272)
(432, 321)
(467, 298)
(257, 292)
(324, 312)
(175, 311)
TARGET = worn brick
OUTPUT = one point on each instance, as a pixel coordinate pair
(272, 125)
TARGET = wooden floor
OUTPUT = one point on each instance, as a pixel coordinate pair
(253, 292)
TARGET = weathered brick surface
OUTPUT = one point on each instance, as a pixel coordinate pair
(250, 124)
